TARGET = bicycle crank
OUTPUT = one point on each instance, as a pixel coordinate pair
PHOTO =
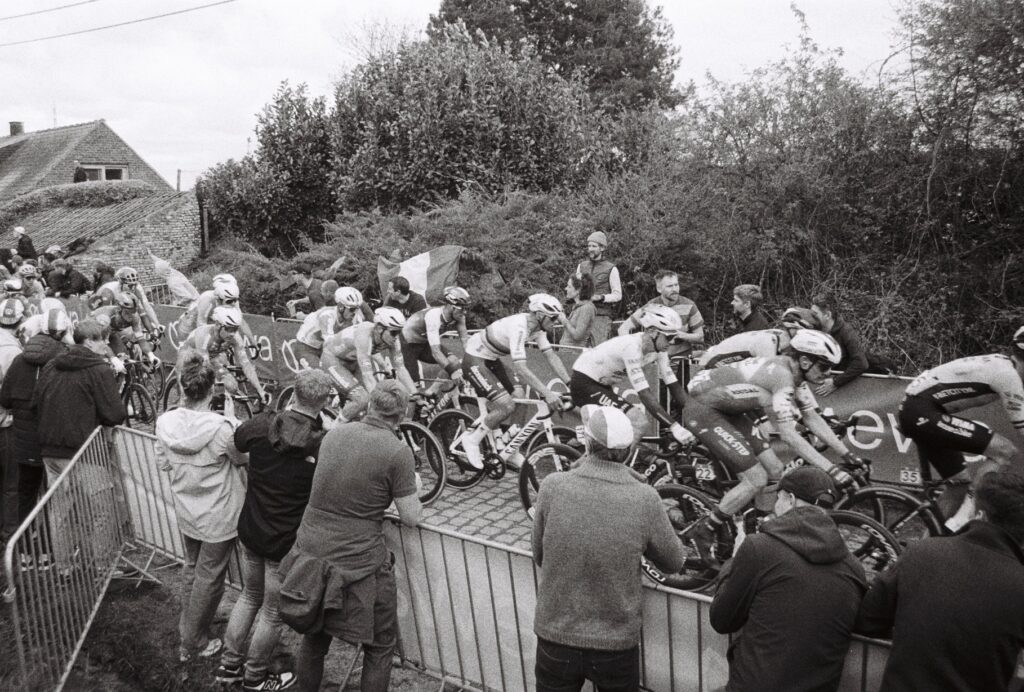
(494, 466)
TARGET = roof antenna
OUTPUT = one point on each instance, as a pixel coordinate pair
(55, 114)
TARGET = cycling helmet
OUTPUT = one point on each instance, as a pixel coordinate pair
(816, 344)
(662, 318)
(224, 279)
(28, 271)
(13, 286)
(457, 296)
(57, 323)
(227, 317)
(545, 304)
(348, 297)
(225, 291)
(12, 312)
(598, 237)
(126, 301)
(127, 276)
(1018, 338)
(799, 318)
(389, 318)
(47, 304)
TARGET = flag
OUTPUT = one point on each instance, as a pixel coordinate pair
(179, 285)
(427, 273)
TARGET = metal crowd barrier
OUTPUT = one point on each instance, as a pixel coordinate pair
(60, 561)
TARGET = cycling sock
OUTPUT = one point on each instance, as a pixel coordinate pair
(963, 515)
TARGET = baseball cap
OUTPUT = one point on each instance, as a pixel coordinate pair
(607, 426)
(809, 484)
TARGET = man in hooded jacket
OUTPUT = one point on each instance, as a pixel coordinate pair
(793, 589)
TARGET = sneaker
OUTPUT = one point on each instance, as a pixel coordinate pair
(228, 674)
(471, 446)
(273, 681)
(213, 648)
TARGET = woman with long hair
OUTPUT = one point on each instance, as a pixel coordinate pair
(576, 327)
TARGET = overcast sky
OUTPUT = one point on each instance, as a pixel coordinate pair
(183, 91)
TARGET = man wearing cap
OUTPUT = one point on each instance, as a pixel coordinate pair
(591, 527)
(793, 589)
(607, 286)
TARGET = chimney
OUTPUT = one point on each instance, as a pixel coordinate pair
(17, 128)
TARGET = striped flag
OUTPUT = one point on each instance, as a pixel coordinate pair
(427, 273)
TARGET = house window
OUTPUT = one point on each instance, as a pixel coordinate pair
(106, 172)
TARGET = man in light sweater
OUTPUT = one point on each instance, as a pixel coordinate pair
(591, 527)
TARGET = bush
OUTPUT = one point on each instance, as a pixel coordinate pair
(88, 194)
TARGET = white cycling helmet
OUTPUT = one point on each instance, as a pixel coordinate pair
(226, 291)
(389, 318)
(224, 279)
(348, 297)
(457, 296)
(545, 304)
(1018, 339)
(816, 344)
(14, 286)
(662, 318)
(227, 317)
(47, 304)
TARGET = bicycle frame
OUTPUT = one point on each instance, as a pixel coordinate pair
(540, 419)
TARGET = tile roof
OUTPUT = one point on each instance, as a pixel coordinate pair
(25, 159)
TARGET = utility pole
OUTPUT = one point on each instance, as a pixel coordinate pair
(179, 180)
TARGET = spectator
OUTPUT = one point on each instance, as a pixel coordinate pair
(746, 306)
(577, 327)
(76, 392)
(302, 275)
(79, 176)
(362, 468)
(793, 589)
(403, 298)
(65, 281)
(16, 395)
(327, 289)
(592, 526)
(954, 607)
(855, 358)
(12, 312)
(195, 447)
(26, 250)
(102, 274)
(16, 262)
(6, 255)
(607, 286)
(283, 449)
(691, 337)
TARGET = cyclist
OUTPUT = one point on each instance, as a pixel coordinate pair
(943, 439)
(482, 366)
(322, 324)
(354, 355)
(125, 329)
(126, 280)
(763, 343)
(620, 362)
(725, 401)
(220, 343)
(38, 323)
(421, 336)
(32, 287)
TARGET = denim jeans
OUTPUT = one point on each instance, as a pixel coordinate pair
(261, 594)
(376, 676)
(205, 570)
(565, 668)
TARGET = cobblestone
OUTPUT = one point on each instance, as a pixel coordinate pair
(490, 510)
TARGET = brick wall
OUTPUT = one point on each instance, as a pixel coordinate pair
(103, 146)
(172, 234)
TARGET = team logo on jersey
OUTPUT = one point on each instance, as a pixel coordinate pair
(728, 438)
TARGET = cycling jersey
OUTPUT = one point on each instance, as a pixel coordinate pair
(753, 384)
(426, 326)
(209, 341)
(318, 326)
(506, 337)
(763, 343)
(354, 349)
(622, 358)
(973, 381)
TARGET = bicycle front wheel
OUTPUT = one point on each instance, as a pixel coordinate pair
(905, 516)
(873, 546)
(563, 435)
(171, 397)
(448, 426)
(429, 458)
(541, 463)
(688, 511)
(284, 398)
(141, 408)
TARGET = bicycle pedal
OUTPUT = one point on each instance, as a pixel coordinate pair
(494, 466)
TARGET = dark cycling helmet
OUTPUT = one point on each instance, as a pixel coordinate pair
(454, 295)
(799, 318)
(126, 301)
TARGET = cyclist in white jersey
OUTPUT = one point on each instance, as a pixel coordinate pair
(322, 324)
(762, 343)
(483, 368)
(421, 336)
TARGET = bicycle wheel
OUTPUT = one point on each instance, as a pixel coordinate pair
(906, 517)
(171, 396)
(563, 434)
(688, 510)
(284, 398)
(243, 408)
(544, 460)
(429, 457)
(447, 426)
(869, 542)
(141, 408)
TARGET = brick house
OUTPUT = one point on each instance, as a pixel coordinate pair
(124, 212)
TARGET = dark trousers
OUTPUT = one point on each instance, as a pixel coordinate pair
(9, 486)
(565, 668)
(31, 485)
(377, 655)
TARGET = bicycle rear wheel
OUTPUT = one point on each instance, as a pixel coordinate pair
(564, 435)
(447, 426)
(429, 457)
(284, 398)
(141, 408)
(688, 510)
(870, 543)
(171, 397)
(906, 517)
(544, 460)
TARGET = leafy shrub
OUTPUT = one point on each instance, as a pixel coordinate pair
(88, 194)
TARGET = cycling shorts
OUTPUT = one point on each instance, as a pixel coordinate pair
(306, 357)
(941, 438)
(732, 438)
(414, 354)
(489, 378)
(586, 390)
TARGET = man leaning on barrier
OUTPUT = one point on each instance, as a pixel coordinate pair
(592, 526)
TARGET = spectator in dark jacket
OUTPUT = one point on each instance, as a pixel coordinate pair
(76, 392)
(402, 297)
(16, 395)
(26, 250)
(855, 357)
(102, 273)
(283, 449)
(954, 607)
(65, 281)
(12, 312)
(746, 308)
(6, 257)
(792, 593)
(79, 176)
